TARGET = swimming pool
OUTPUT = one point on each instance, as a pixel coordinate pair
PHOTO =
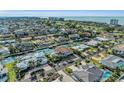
(106, 75)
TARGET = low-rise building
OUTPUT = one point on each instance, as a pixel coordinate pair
(52, 30)
(8, 42)
(23, 65)
(101, 39)
(4, 51)
(88, 74)
(92, 43)
(80, 47)
(37, 57)
(74, 36)
(61, 39)
(25, 46)
(21, 34)
(119, 50)
(56, 19)
(62, 51)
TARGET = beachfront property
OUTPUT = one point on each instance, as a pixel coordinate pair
(113, 62)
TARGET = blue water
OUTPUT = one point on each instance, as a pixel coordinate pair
(101, 19)
(106, 75)
(120, 65)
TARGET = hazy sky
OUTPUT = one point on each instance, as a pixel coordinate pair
(45, 13)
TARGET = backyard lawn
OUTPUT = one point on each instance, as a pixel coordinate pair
(11, 72)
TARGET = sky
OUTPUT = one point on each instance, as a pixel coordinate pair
(46, 13)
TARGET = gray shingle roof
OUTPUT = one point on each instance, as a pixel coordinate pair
(91, 75)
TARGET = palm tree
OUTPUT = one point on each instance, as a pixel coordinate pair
(42, 72)
(61, 77)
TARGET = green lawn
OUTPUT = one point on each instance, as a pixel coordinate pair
(11, 72)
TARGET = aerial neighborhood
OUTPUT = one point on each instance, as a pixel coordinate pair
(34, 49)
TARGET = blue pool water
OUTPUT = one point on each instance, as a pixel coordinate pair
(106, 75)
(120, 65)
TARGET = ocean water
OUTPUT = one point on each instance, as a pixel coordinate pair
(101, 19)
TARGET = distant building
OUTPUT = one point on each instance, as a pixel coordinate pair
(56, 19)
(4, 31)
(21, 33)
(74, 36)
(114, 22)
(53, 30)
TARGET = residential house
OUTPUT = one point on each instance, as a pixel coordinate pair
(80, 47)
(62, 51)
(38, 58)
(88, 74)
(4, 51)
(92, 43)
(119, 50)
(61, 39)
(21, 34)
(86, 34)
(113, 61)
(4, 31)
(8, 42)
(23, 65)
(101, 39)
(74, 36)
(25, 46)
(52, 30)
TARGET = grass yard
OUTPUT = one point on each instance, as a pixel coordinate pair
(11, 72)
